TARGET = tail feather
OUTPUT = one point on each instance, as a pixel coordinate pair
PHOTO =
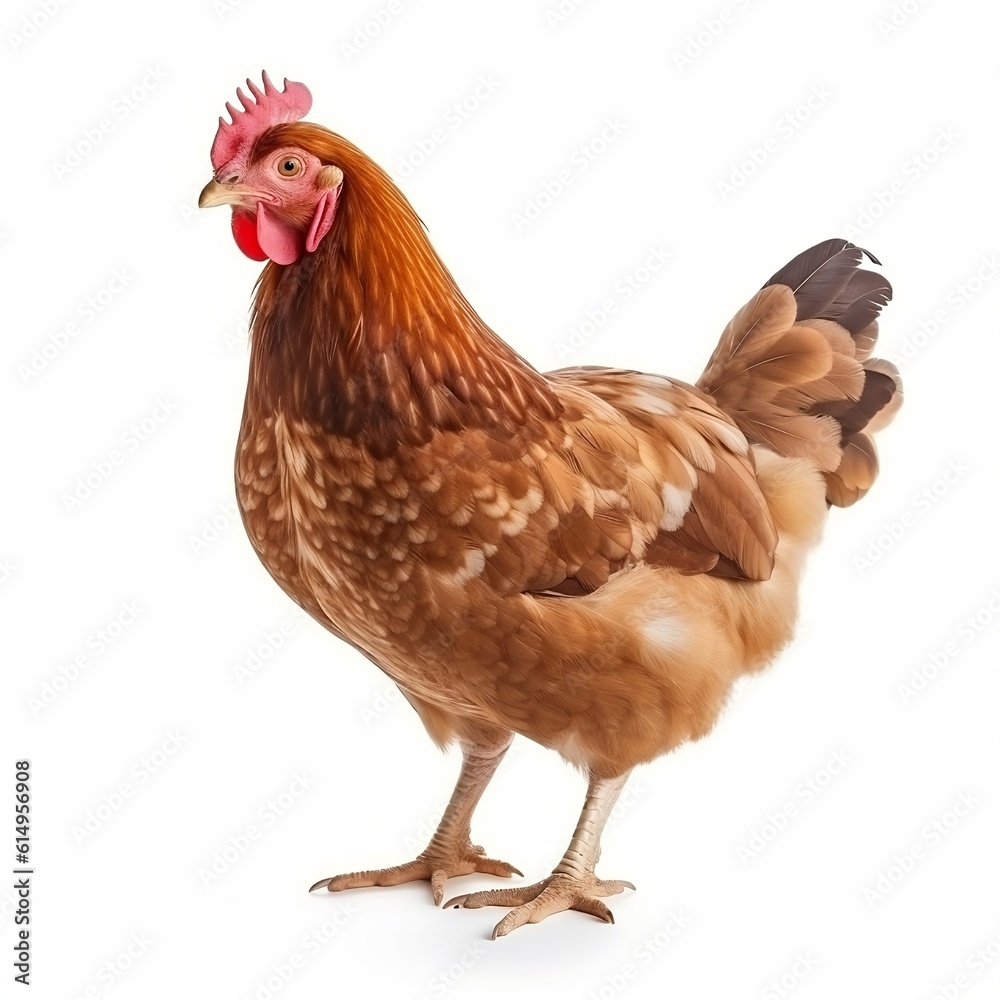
(794, 368)
(827, 284)
(890, 386)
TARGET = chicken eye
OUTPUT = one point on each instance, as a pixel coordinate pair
(290, 166)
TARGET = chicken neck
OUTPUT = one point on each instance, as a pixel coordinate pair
(371, 339)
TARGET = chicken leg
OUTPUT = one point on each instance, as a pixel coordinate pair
(572, 884)
(450, 852)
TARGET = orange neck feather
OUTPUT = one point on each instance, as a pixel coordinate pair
(370, 336)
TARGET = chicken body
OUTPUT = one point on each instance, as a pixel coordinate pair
(381, 554)
(588, 558)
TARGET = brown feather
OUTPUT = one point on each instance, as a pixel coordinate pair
(589, 557)
(805, 387)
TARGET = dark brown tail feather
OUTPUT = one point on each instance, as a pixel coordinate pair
(794, 367)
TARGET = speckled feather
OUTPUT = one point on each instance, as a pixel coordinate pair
(588, 557)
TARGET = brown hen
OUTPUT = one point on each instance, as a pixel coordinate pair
(588, 557)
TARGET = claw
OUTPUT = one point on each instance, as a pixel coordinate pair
(497, 897)
(499, 868)
(502, 931)
(594, 907)
(438, 880)
(320, 884)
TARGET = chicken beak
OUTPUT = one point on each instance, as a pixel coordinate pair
(215, 193)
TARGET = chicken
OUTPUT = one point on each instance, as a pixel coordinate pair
(588, 557)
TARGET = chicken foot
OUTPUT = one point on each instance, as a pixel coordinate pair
(572, 884)
(450, 852)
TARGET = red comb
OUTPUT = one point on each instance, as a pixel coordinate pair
(268, 107)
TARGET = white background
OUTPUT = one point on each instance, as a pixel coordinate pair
(903, 782)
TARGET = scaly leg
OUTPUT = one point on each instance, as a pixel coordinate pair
(572, 884)
(450, 852)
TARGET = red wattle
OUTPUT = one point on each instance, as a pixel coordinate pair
(245, 234)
